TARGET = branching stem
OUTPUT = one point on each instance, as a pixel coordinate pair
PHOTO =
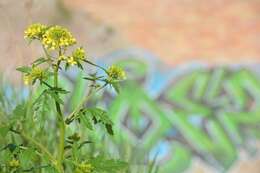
(70, 118)
(59, 119)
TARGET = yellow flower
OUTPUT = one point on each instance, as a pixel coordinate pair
(36, 73)
(79, 53)
(116, 73)
(35, 31)
(14, 163)
(84, 168)
(27, 79)
(62, 57)
(71, 61)
(77, 56)
(57, 37)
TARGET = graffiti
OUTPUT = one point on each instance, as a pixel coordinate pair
(191, 111)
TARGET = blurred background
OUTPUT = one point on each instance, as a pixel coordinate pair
(192, 99)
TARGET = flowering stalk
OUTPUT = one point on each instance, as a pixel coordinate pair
(56, 39)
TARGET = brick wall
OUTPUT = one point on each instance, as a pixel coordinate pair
(214, 31)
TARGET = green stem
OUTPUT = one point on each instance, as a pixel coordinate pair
(91, 63)
(71, 116)
(60, 120)
(48, 85)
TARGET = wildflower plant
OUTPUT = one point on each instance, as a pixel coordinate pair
(45, 73)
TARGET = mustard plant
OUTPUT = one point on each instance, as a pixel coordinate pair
(60, 54)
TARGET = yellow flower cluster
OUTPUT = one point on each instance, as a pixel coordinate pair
(14, 163)
(35, 31)
(62, 58)
(36, 73)
(56, 37)
(77, 56)
(68, 59)
(116, 73)
(79, 53)
(84, 168)
(53, 37)
(71, 60)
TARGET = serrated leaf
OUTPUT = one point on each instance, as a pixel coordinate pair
(100, 116)
(90, 116)
(56, 97)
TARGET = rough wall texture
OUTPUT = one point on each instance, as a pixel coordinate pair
(95, 36)
(215, 31)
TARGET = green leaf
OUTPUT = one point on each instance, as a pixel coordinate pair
(67, 66)
(84, 143)
(55, 96)
(116, 86)
(90, 116)
(109, 129)
(20, 110)
(51, 170)
(4, 130)
(11, 147)
(39, 61)
(103, 165)
(60, 90)
(80, 66)
(27, 156)
(87, 121)
(24, 69)
(42, 106)
(100, 116)
(89, 78)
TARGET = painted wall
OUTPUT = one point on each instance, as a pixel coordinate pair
(193, 68)
(192, 111)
